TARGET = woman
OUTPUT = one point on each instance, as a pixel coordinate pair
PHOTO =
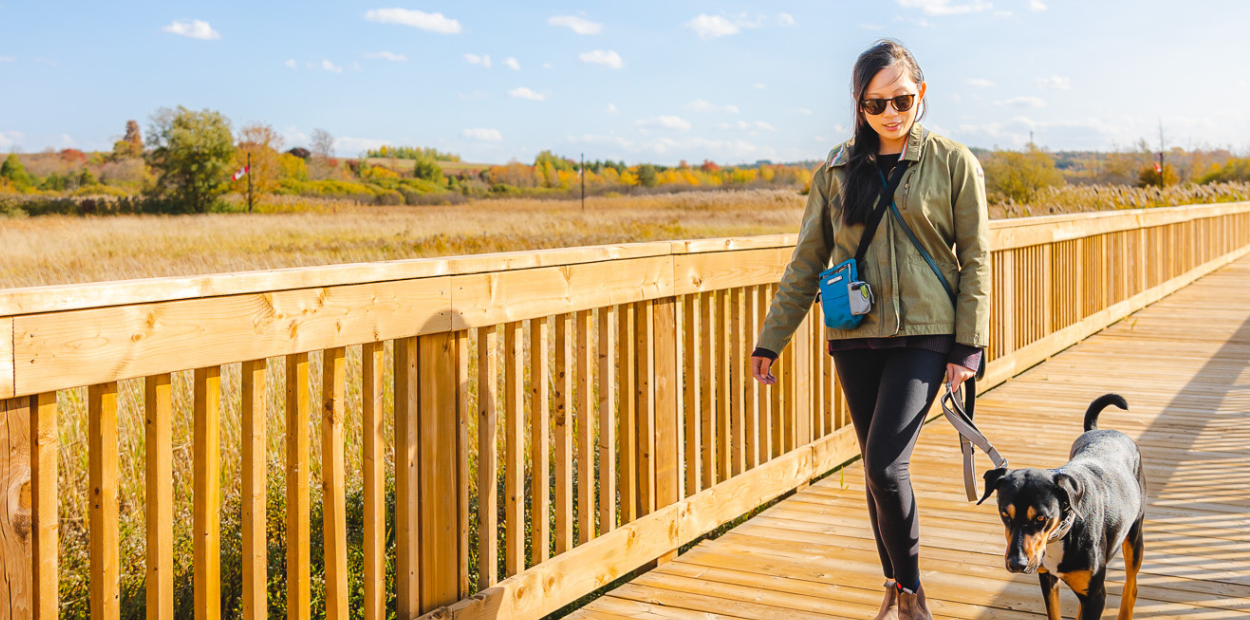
(914, 338)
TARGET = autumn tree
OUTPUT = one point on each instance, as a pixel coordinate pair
(131, 145)
(322, 153)
(1020, 175)
(193, 153)
(259, 144)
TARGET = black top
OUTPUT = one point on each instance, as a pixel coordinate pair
(964, 355)
(887, 162)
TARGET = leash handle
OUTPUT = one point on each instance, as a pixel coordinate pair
(969, 435)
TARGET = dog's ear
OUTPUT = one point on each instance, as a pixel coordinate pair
(992, 478)
(1071, 487)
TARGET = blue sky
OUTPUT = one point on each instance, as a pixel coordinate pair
(640, 81)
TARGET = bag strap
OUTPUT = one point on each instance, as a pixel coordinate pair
(874, 220)
(933, 265)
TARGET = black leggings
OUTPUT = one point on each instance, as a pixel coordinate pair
(888, 393)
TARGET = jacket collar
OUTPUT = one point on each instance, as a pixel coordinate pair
(915, 140)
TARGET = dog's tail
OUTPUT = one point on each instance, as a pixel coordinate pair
(1100, 403)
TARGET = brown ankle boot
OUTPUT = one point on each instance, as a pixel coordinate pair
(912, 605)
(889, 606)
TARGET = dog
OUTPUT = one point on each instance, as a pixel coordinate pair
(1067, 523)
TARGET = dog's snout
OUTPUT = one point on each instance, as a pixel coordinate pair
(1017, 563)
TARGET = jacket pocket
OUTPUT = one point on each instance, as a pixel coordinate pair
(927, 302)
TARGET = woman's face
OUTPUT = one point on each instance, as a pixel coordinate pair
(892, 125)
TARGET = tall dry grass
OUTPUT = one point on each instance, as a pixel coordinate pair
(62, 250)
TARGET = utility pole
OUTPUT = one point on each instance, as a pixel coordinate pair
(582, 174)
(249, 181)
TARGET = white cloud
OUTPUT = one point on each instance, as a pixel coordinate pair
(800, 111)
(944, 7)
(525, 93)
(699, 105)
(748, 126)
(607, 58)
(7, 59)
(331, 67)
(290, 64)
(474, 59)
(547, 65)
(665, 122)
(1003, 14)
(980, 82)
(612, 108)
(1037, 5)
(785, 19)
(760, 85)
(1022, 102)
(486, 135)
(10, 139)
(391, 56)
(356, 66)
(354, 146)
(712, 26)
(512, 63)
(193, 28)
(870, 27)
(919, 21)
(67, 140)
(432, 22)
(1055, 81)
(576, 24)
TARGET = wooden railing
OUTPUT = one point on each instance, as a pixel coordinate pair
(616, 376)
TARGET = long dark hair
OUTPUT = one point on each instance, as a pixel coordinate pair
(862, 186)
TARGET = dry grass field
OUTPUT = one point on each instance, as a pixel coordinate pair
(63, 250)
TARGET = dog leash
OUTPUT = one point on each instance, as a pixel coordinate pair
(969, 434)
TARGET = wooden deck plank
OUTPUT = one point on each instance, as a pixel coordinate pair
(813, 555)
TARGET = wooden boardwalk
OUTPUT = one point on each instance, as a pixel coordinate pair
(1183, 364)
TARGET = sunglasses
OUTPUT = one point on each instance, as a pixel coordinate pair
(902, 103)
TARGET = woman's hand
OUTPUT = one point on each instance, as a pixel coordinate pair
(956, 374)
(761, 369)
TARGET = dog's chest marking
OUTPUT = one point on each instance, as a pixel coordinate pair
(1053, 557)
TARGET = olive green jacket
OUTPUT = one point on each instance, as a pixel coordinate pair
(942, 199)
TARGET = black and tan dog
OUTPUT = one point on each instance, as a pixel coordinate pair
(1066, 523)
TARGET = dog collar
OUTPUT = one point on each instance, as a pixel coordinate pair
(1064, 527)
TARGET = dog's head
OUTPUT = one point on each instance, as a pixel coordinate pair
(1032, 504)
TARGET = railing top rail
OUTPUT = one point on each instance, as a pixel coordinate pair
(1008, 233)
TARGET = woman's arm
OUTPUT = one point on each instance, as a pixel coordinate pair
(972, 246)
(800, 281)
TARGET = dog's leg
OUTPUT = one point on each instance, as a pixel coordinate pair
(1134, 545)
(1094, 600)
(1050, 594)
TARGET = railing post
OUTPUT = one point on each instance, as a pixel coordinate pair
(44, 520)
(439, 466)
(407, 496)
(15, 533)
(667, 466)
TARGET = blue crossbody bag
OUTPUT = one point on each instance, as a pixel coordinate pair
(844, 298)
